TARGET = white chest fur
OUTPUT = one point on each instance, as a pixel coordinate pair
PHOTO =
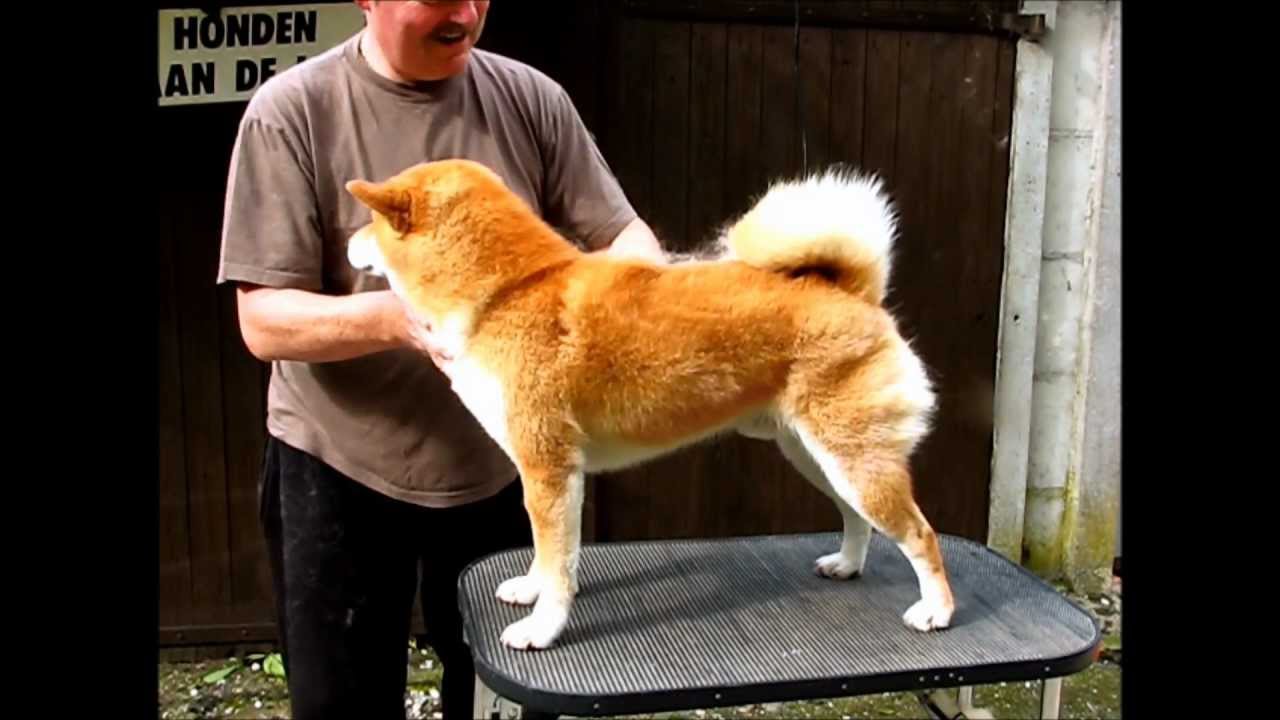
(477, 387)
(483, 394)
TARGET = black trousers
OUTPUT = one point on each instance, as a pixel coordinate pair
(346, 562)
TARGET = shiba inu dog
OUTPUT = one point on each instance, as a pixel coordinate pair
(578, 363)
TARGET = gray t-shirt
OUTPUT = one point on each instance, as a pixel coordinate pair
(390, 420)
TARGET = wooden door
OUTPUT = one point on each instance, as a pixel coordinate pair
(701, 112)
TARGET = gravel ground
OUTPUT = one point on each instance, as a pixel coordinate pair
(252, 686)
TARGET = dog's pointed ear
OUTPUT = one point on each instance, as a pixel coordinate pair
(395, 205)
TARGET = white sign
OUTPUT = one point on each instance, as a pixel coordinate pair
(225, 57)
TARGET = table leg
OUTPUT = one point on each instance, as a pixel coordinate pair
(1050, 698)
(488, 705)
(953, 705)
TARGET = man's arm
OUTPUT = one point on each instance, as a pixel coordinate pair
(299, 325)
(637, 240)
(583, 197)
(283, 315)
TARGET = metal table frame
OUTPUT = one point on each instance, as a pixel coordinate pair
(943, 704)
(944, 692)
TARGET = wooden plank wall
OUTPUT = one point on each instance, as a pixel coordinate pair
(211, 397)
(700, 116)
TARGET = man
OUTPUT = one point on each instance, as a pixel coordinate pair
(373, 467)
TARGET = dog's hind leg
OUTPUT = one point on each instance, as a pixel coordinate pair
(553, 495)
(848, 562)
(876, 482)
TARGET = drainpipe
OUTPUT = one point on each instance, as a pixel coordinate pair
(1069, 517)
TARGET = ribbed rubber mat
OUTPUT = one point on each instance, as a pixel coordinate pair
(704, 623)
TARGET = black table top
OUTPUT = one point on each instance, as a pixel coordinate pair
(669, 625)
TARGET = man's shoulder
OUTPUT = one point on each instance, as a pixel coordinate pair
(507, 70)
(282, 99)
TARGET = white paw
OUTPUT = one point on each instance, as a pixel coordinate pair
(927, 615)
(538, 631)
(836, 565)
(523, 590)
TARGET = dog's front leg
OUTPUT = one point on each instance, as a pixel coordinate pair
(553, 499)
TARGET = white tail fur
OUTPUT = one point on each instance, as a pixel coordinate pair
(838, 224)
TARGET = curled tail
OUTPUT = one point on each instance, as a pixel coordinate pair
(838, 225)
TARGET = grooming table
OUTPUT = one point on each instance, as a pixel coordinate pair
(683, 624)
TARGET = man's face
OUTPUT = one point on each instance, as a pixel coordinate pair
(426, 39)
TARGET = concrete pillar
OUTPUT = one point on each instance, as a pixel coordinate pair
(1093, 510)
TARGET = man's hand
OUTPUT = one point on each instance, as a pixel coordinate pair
(637, 241)
(303, 326)
(416, 333)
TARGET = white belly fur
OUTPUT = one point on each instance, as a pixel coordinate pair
(613, 455)
(606, 456)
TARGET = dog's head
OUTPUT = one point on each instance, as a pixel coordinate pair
(423, 217)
